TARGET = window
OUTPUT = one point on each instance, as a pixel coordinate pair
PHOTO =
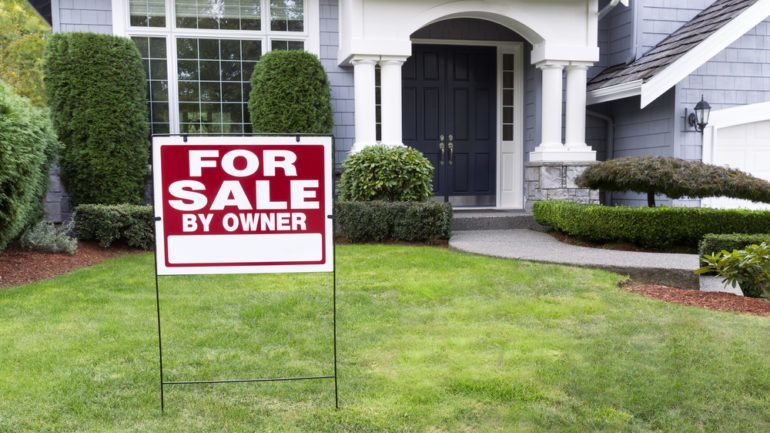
(508, 86)
(153, 51)
(213, 77)
(147, 13)
(287, 15)
(219, 14)
(202, 84)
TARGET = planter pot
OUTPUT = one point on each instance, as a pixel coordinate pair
(710, 283)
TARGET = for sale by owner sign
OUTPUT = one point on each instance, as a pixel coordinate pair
(243, 204)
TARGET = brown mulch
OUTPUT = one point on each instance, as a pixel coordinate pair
(21, 266)
(708, 300)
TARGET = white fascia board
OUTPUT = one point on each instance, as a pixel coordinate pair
(703, 52)
(740, 115)
(618, 91)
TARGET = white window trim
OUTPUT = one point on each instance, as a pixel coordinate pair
(121, 27)
(515, 198)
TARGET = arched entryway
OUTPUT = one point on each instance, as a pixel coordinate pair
(462, 92)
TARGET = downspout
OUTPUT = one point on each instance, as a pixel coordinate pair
(610, 134)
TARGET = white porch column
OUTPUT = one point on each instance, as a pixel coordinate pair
(365, 103)
(390, 97)
(550, 148)
(576, 113)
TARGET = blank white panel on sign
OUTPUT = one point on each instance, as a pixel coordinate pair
(224, 249)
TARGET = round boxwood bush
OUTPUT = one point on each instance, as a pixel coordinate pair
(387, 173)
(27, 148)
(676, 178)
(96, 90)
(290, 94)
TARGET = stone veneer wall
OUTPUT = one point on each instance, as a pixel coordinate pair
(556, 181)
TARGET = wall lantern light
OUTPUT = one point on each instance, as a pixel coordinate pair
(699, 118)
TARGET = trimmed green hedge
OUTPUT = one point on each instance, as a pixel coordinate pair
(389, 173)
(96, 91)
(712, 244)
(27, 148)
(290, 94)
(378, 221)
(647, 227)
(132, 224)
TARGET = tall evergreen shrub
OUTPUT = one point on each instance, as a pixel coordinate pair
(96, 90)
(27, 148)
(290, 94)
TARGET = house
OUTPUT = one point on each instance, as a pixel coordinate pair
(510, 99)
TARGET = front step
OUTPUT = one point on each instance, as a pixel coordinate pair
(465, 220)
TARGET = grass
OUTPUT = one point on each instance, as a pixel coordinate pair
(430, 340)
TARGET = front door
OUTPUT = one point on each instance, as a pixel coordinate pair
(449, 115)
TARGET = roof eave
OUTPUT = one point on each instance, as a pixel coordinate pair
(612, 93)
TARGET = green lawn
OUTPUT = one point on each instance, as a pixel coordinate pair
(430, 340)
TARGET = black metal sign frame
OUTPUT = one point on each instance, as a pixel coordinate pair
(157, 219)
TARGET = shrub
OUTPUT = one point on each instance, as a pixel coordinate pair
(96, 91)
(648, 227)
(27, 148)
(712, 244)
(676, 178)
(379, 221)
(45, 236)
(290, 94)
(749, 268)
(132, 224)
(389, 173)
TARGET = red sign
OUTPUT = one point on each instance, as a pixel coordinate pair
(243, 204)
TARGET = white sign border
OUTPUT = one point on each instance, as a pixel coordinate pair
(225, 140)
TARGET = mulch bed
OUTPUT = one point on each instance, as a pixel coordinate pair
(709, 300)
(21, 266)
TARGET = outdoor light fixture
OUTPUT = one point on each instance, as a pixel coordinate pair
(699, 118)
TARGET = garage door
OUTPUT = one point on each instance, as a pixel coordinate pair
(745, 147)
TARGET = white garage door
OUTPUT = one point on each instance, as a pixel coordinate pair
(745, 147)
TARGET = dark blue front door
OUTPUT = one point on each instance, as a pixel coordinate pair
(449, 115)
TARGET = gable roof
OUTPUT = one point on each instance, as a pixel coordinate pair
(679, 54)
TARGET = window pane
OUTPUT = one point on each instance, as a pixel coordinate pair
(287, 15)
(276, 45)
(147, 13)
(218, 14)
(156, 72)
(213, 88)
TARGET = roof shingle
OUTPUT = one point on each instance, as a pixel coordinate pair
(674, 46)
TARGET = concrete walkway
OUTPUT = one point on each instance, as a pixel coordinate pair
(657, 268)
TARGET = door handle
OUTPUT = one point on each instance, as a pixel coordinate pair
(451, 147)
(441, 147)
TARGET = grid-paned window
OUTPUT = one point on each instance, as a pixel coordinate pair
(508, 97)
(147, 13)
(213, 79)
(287, 15)
(153, 51)
(219, 14)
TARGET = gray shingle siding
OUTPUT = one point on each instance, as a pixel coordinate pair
(650, 131)
(615, 38)
(341, 80)
(660, 18)
(83, 16)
